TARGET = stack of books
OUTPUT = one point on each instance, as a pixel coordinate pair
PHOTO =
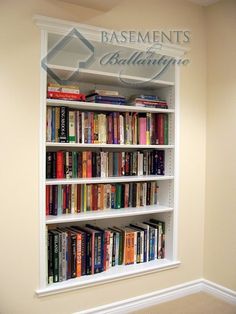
(77, 198)
(64, 92)
(106, 97)
(78, 251)
(88, 164)
(148, 101)
(66, 125)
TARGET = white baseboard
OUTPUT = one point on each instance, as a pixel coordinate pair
(219, 291)
(164, 295)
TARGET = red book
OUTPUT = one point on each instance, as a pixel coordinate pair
(66, 96)
(60, 165)
(47, 199)
(160, 128)
(89, 164)
(95, 197)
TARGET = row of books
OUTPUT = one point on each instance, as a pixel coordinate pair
(66, 125)
(148, 101)
(72, 92)
(78, 251)
(88, 164)
(77, 198)
(65, 92)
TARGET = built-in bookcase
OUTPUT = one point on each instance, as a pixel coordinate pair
(95, 77)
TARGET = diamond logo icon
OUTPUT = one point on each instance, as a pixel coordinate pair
(58, 48)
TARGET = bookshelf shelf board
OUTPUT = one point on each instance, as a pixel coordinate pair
(109, 78)
(83, 105)
(105, 214)
(113, 274)
(120, 146)
(108, 180)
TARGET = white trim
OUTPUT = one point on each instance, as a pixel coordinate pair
(147, 300)
(164, 295)
(90, 32)
(219, 291)
(113, 274)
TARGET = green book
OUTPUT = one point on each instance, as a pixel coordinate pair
(74, 165)
(166, 129)
(118, 196)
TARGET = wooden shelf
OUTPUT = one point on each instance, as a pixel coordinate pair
(104, 107)
(106, 214)
(108, 180)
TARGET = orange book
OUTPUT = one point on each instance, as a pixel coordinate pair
(129, 248)
(84, 164)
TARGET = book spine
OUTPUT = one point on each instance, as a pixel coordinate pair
(63, 125)
(55, 257)
(50, 258)
(72, 134)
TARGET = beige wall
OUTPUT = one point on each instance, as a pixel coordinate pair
(19, 81)
(220, 230)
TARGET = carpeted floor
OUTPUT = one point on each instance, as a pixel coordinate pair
(199, 303)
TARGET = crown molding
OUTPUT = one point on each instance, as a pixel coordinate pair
(93, 33)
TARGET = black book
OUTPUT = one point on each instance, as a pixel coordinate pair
(73, 254)
(94, 164)
(50, 257)
(48, 165)
(64, 125)
(161, 163)
(55, 254)
(155, 162)
(54, 165)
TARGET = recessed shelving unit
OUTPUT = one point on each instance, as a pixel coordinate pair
(167, 208)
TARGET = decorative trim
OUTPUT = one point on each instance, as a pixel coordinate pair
(164, 295)
(219, 291)
(147, 300)
(58, 26)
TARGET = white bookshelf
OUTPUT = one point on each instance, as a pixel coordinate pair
(167, 207)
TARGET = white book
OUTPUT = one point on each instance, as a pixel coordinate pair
(72, 126)
(141, 246)
(122, 138)
(140, 164)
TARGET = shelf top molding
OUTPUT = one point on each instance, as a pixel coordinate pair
(93, 33)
